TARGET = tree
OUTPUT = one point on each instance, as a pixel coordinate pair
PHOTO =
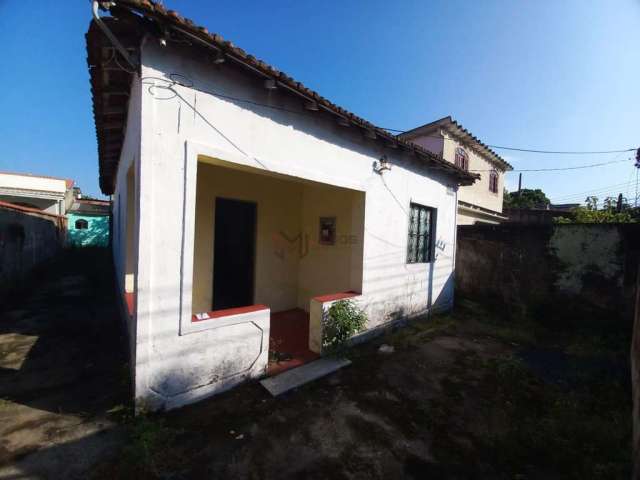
(614, 210)
(526, 198)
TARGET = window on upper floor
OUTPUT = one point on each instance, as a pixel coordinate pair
(82, 224)
(421, 234)
(462, 159)
(493, 181)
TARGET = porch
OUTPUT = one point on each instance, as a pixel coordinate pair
(269, 244)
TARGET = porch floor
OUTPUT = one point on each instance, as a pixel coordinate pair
(289, 341)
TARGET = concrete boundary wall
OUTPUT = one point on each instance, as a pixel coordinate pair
(582, 270)
(27, 237)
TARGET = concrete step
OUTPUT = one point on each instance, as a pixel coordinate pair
(304, 374)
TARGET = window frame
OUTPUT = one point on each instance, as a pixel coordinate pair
(493, 181)
(81, 221)
(461, 159)
(413, 258)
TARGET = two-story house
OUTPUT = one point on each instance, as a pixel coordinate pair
(482, 201)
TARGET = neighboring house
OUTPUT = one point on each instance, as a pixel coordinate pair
(244, 204)
(47, 194)
(482, 201)
(88, 223)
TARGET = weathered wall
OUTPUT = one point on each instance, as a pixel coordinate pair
(26, 239)
(176, 127)
(585, 271)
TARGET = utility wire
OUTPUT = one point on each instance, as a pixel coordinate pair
(621, 185)
(530, 150)
(557, 169)
(516, 149)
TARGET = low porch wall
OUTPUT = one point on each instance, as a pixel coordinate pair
(221, 350)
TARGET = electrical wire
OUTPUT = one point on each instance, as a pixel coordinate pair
(558, 169)
(618, 186)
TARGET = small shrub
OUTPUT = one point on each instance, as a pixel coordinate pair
(343, 320)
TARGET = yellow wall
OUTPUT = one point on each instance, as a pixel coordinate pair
(331, 268)
(478, 193)
(288, 272)
(278, 204)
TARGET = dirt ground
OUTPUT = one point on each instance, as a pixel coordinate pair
(61, 369)
(466, 395)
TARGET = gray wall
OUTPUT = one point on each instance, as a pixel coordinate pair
(583, 271)
(26, 239)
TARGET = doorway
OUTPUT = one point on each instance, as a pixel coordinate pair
(234, 253)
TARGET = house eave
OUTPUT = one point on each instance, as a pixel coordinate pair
(462, 135)
(477, 210)
(131, 19)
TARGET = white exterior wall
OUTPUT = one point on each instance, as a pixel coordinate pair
(177, 363)
(47, 194)
(29, 182)
(129, 157)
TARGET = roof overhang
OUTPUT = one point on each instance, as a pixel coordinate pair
(131, 20)
(484, 212)
(462, 135)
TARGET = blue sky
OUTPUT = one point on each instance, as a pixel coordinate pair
(544, 75)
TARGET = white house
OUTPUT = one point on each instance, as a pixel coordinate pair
(48, 194)
(244, 204)
(482, 201)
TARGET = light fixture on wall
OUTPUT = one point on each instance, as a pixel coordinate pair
(381, 165)
(270, 84)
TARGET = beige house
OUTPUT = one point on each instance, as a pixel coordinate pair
(482, 201)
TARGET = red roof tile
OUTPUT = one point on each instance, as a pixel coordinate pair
(130, 33)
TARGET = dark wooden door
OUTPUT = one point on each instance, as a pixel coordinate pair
(233, 253)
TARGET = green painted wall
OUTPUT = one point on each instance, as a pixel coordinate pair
(97, 235)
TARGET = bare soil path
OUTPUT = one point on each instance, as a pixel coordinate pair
(61, 369)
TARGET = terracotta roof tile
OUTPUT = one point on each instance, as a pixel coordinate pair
(156, 11)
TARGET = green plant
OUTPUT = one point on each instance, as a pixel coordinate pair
(343, 319)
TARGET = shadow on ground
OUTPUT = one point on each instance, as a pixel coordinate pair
(465, 395)
(62, 367)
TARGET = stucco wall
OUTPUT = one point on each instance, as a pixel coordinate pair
(478, 193)
(581, 272)
(278, 210)
(290, 265)
(181, 124)
(326, 269)
(26, 239)
(129, 159)
(95, 235)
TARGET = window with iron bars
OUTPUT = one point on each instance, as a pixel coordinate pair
(421, 232)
